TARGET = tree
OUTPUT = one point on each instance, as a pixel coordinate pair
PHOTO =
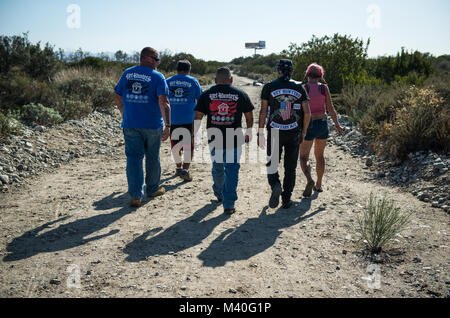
(121, 56)
(20, 53)
(342, 57)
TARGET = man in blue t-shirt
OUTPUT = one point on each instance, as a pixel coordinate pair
(142, 98)
(184, 91)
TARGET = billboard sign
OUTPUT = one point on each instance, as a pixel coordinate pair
(256, 45)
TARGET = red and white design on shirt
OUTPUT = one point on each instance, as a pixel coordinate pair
(285, 110)
(223, 109)
(222, 112)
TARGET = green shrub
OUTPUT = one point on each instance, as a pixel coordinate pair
(380, 221)
(38, 114)
(98, 93)
(80, 87)
(441, 84)
(102, 98)
(73, 109)
(9, 126)
(20, 89)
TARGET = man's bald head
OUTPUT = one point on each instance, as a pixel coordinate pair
(223, 76)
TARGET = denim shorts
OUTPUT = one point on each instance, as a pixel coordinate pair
(318, 129)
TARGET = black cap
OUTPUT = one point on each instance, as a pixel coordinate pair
(285, 66)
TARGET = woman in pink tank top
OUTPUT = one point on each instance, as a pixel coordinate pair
(317, 134)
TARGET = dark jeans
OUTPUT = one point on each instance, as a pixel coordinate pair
(290, 142)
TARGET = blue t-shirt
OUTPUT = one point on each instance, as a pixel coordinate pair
(140, 87)
(184, 91)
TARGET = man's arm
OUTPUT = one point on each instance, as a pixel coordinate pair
(197, 120)
(262, 121)
(164, 105)
(263, 113)
(249, 120)
(119, 104)
(198, 116)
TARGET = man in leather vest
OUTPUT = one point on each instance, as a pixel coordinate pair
(284, 105)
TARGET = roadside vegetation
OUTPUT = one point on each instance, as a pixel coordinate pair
(43, 86)
(380, 222)
(401, 102)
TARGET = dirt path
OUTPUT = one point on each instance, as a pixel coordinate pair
(77, 221)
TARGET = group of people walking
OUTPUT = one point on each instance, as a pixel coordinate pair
(292, 118)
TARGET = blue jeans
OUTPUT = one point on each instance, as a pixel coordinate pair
(140, 143)
(225, 173)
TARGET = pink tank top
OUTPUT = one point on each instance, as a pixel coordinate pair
(316, 100)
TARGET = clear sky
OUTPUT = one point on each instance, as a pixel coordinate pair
(218, 30)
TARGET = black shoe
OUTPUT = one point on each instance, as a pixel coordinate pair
(185, 175)
(308, 189)
(287, 205)
(318, 190)
(275, 197)
(229, 211)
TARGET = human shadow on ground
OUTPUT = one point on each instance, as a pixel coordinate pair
(112, 201)
(171, 187)
(178, 237)
(255, 235)
(64, 237)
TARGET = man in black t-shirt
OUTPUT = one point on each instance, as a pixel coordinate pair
(224, 104)
(284, 105)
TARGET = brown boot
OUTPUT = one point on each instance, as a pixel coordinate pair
(135, 203)
(158, 193)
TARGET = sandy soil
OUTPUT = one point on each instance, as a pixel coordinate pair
(70, 233)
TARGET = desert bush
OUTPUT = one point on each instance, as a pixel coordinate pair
(95, 91)
(422, 123)
(370, 105)
(102, 98)
(9, 126)
(17, 89)
(38, 114)
(441, 84)
(380, 221)
(73, 109)
(70, 73)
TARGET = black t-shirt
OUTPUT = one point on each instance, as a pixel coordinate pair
(285, 104)
(224, 105)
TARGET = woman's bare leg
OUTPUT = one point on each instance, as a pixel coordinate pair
(305, 149)
(319, 149)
